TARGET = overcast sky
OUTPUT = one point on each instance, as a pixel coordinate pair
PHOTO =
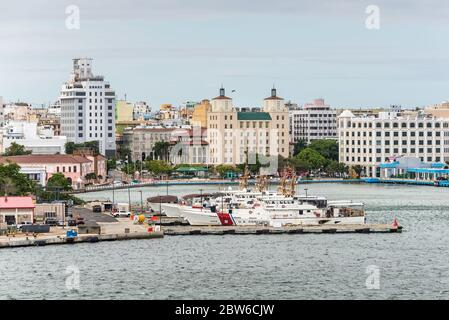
(172, 51)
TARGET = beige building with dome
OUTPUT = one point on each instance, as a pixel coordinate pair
(237, 135)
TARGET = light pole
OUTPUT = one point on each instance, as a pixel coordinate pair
(141, 201)
(113, 196)
(129, 198)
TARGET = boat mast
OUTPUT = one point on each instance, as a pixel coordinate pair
(244, 179)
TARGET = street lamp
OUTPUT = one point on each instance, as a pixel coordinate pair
(141, 201)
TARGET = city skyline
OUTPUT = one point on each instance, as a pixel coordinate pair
(164, 55)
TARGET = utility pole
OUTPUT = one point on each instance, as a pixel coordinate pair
(141, 201)
(129, 198)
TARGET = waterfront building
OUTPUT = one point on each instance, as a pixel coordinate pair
(55, 210)
(15, 210)
(189, 146)
(142, 139)
(368, 141)
(234, 135)
(314, 121)
(412, 168)
(124, 111)
(88, 108)
(38, 139)
(74, 167)
(200, 113)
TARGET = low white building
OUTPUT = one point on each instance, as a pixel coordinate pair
(141, 111)
(40, 140)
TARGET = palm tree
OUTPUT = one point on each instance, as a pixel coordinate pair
(160, 150)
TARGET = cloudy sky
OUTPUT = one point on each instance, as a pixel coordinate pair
(172, 51)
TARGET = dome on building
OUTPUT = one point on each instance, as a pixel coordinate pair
(346, 114)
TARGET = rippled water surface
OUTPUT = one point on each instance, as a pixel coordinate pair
(412, 265)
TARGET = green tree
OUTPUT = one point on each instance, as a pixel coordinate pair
(59, 182)
(70, 147)
(13, 182)
(160, 150)
(16, 150)
(90, 176)
(223, 169)
(111, 164)
(299, 146)
(326, 147)
(335, 167)
(310, 159)
(158, 167)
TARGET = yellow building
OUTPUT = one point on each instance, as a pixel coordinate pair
(235, 135)
(124, 111)
(200, 112)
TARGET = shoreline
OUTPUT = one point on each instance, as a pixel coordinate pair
(168, 183)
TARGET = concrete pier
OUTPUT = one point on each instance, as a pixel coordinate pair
(14, 242)
(260, 230)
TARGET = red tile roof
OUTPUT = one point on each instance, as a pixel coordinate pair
(44, 159)
(16, 203)
(221, 98)
(274, 98)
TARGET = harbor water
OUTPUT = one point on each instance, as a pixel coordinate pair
(408, 265)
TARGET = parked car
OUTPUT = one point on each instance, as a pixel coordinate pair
(71, 222)
(121, 214)
(61, 223)
(51, 221)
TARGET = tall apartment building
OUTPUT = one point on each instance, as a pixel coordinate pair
(314, 121)
(88, 108)
(370, 140)
(234, 135)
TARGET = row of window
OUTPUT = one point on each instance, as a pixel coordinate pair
(387, 125)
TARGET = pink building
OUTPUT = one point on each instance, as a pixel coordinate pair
(15, 210)
(73, 167)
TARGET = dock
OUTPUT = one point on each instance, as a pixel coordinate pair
(259, 230)
(30, 241)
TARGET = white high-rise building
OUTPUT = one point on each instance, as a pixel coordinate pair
(368, 141)
(88, 108)
(314, 121)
